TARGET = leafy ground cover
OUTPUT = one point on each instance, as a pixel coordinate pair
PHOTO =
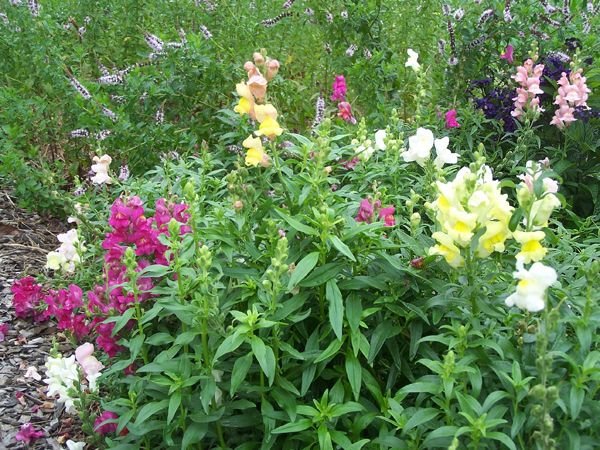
(301, 225)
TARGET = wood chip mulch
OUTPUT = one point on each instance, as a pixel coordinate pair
(25, 239)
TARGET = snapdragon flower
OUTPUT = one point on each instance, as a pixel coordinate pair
(62, 375)
(66, 257)
(419, 146)
(412, 61)
(100, 169)
(442, 154)
(532, 285)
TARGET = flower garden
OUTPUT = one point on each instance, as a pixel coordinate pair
(307, 225)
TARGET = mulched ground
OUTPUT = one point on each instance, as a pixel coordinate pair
(25, 239)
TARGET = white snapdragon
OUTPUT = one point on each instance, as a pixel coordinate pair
(100, 169)
(62, 374)
(66, 257)
(419, 147)
(412, 60)
(380, 136)
(532, 286)
(72, 445)
(442, 154)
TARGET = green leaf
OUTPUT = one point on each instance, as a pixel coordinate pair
(420, 417)
(353, 311)
(155, 271)
(421, 386)
(301, 425)
(576, 401)
(324, 438)
(239, 372)
(322, 274)
(501, 437)
(383, 332)
(159, 339)
(149, 409)
(333, 347)
(186, 337)
(174, 403)
(296, 225)
(302, 269)
(121, 320)
(354, 373)
(342, 248)
(336, 308)
(230, 343)
(265, 357)
(193, 434)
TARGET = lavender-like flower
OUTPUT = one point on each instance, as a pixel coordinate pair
(367, 53)
(344, 15)
(329, 17)
(476, 42)
(123, 173)
(288, 4)
(485, 16)
(111, 79)
(34, 7)
(16, 2)
(276, 19)
(459, 14)
(4, 18)
(507, 14)
(566, 10)
(327, 47)
(119, 99)
(207, 34)
(79, 133)
(101, 135)
(549, 9)
(309, 12)
(108, 113)
(351, 50)
(319, 112)
(154, 42)
(446, 9)
(441, 46)
(103, 69)
(80, 88)
(159, 117)
(551, 21)
(79, 191)
(452, 37)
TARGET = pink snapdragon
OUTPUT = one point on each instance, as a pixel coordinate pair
(572, 92)
(528, 77)
(27, 299)
(28, 434)
(366, 212)
(339, 89)
(387, 214)
(508, 54)
(451, 119)
(106, 428)
(345, 112)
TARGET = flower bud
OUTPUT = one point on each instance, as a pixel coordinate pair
(538, 392)
(238, 205)
(272, 69)
(415, 219)
(327, 170)
(259, 59)
(174, 227)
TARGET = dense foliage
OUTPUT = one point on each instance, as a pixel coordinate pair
(412, 265)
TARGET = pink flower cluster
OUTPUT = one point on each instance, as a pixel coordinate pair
(451, 121)
(339, 89)
(28, 299)
(528, 77)
(28, 434)
(130, 228)
(366, 212)
(573, 92)
(107, 428)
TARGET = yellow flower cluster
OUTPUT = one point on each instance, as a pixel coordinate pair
(472, 204)
(536, 197)
(252, 94)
